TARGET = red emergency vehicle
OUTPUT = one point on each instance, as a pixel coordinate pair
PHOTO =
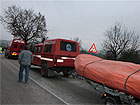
(55, 55)
(14, 48)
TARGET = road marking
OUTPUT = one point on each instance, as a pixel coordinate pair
(39, 84)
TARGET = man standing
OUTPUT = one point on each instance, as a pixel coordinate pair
(25, 58)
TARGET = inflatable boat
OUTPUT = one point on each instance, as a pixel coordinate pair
(121, 76)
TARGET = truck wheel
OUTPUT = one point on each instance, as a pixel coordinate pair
(111, 101)
(66, 73)
(44, 70)
(8, 56)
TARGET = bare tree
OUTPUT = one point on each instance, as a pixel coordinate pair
(79, 42)
(118, 41)
(82, 50)
(24, 23)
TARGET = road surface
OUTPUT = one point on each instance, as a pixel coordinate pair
(54, 90)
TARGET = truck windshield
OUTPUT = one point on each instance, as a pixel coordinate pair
(15, 45)
(67, 46)
(21, 46)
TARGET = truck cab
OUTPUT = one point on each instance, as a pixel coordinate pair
(14, 48)
(56, 55)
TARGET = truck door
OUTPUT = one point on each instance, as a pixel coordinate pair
(48, 54)
(38, 56)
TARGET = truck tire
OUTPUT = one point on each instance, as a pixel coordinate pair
(112, 101)
(44, 70)
(8, 56)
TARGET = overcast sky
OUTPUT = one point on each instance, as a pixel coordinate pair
(86, 19)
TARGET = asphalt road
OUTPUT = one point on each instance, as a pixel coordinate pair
(39, 90)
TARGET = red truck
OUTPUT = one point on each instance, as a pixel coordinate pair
(14, 48)
(55, 55)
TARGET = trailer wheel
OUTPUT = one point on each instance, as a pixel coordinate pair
(44, 70)
(111, 101)
(66, 73)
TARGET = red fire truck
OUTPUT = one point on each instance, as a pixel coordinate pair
(55, 55)
(14, 48)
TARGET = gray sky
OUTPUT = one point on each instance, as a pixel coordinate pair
(86, 19)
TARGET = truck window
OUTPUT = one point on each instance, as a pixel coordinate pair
(67, 46)
(35, 48)
(21, 46)
(39, 49)
(15, 45)
(48, 48)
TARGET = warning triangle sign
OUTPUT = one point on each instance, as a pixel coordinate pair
(92, 49)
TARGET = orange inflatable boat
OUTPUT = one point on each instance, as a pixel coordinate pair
(122, 76)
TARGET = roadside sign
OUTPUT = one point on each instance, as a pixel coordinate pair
(92, 49)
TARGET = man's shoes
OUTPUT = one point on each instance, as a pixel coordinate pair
(26, 82)
(20, 81)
